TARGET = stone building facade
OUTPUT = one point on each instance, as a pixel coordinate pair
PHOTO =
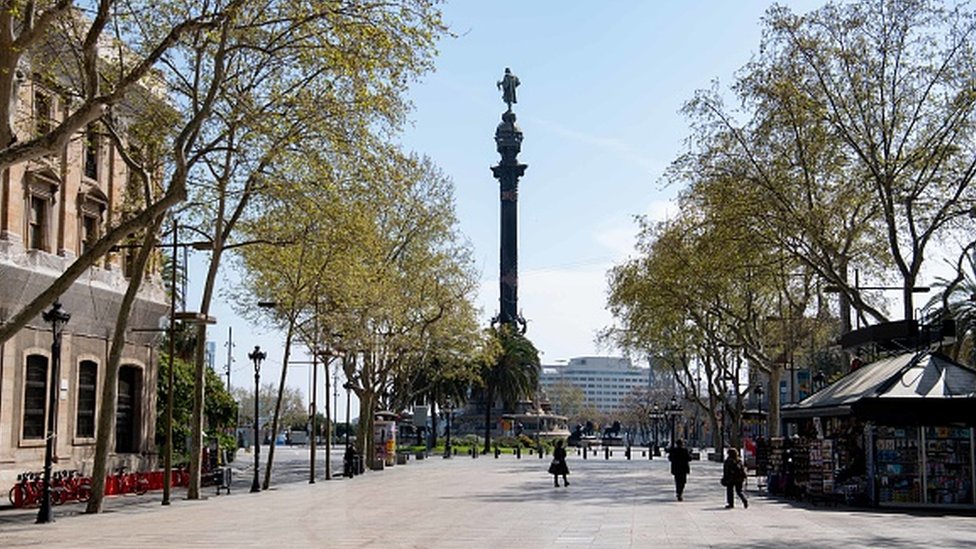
(50, 210)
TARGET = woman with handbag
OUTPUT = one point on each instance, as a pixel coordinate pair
(558, 465)
(733, 476)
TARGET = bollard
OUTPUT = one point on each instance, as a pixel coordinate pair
(627, 453)
(518, 452)
(606, 452)
(643, 453)
(542, 452)
(530, 451)
(497, 452)
(585, 451)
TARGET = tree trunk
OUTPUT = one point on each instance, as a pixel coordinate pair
(844, 303)
(909, 296)
(277, 412)
(364, 430)
(717, 439)
(110, 386)
(774, 425)
(200, 376)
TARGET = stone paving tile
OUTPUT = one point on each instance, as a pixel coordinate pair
(463, 502)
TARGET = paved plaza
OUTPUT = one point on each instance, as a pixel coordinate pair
(484, 502)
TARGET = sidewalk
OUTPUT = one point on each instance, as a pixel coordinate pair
(484, 502)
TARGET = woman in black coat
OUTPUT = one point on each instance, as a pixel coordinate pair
(733, 477)
(558, 465)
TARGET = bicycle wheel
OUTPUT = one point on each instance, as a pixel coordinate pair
(16, 494)
(83, 491)
(141, 485)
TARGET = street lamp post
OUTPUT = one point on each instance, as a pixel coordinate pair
(58, 319)
(348, 387)
(256, 356)
(174, 316)
(170, 376)
(333, 354)
(450, 415)
(673, 410)
(335, 400)
(656, 419)
(759, 404)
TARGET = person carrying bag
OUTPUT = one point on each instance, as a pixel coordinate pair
(558, 465)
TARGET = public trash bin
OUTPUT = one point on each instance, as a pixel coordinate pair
(222, 478)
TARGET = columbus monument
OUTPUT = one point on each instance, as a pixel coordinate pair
(508, 141)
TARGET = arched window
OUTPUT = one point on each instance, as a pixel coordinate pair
(128, 414)
(87, 378)
(35, 397)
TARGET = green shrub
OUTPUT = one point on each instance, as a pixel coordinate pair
(505, 442)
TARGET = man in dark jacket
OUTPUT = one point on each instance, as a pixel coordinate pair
(680, 460)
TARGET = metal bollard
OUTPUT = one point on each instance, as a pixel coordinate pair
(606, 452)
(542, 452)
(497, 452)
(585, 451)
(518, 452)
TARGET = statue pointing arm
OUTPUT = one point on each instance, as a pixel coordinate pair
(507, 84)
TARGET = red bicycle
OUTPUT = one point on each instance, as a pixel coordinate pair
(28, 491)
(70, 486)
(131, 483)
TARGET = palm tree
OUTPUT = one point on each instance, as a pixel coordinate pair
(436, 382)
(957, 301)
(510, 373)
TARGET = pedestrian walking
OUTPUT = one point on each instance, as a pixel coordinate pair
(733, 477)
(680, 459)
(558, 465)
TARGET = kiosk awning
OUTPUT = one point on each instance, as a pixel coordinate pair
(905, 385)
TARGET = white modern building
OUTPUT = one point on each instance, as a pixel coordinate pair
(605, 381)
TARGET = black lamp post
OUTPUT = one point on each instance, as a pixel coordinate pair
(348, 387)
(673, 410)
(335, 401)
(758, 391)
(450, 415)
(256, 356)
(656, 419)
(58, 319)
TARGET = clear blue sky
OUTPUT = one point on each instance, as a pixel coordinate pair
(602, 84)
